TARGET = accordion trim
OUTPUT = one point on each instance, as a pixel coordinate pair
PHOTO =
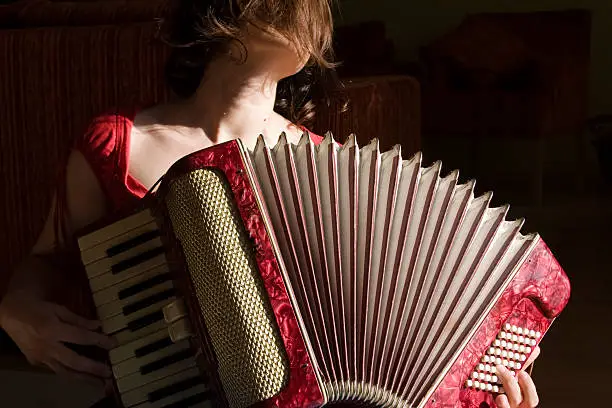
(537, 293)
(302, 389)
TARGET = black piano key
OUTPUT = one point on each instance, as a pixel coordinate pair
(132, 243)
(145, 320)
(144, 285)
(148, 301)
(165, 361)
(137, 259)
(174, 388)
(191, 401)
(153, 347)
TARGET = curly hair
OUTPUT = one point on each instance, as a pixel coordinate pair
(199, 30)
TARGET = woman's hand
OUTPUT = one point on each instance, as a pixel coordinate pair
(520, 391)
(41, 330)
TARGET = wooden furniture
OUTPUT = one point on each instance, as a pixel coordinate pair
(385, 107)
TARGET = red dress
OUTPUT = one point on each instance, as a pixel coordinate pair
(105, 145)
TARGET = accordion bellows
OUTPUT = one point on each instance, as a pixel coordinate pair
(340, 274)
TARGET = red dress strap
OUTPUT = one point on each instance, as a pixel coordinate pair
(316, 139)
(106, 146)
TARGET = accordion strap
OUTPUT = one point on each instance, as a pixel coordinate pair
(150, 198)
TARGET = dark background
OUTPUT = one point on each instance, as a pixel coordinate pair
(514, 95)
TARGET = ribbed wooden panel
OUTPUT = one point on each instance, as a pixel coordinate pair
(53, 83)
(37, 13)
(383, 107)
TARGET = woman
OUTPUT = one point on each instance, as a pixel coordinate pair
(241, 68)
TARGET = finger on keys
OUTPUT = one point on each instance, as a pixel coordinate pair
(535, 354)
(109, 387)
(84, 365)
(78, 335)
(502, 401)
(528, 389)
(511, 386)
(62, 370)
(68, 316)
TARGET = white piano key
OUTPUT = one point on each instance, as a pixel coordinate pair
(128, 350)
(98, 252)
(136, 380)
(127, 336)
(140, 393)
(104, 265)
(182, 396)
(116, 308)
(134, 364)
(109, 279)
(111, 294)
(117, 228)
(121, 322)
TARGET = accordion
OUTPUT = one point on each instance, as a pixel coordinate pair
(303, 275)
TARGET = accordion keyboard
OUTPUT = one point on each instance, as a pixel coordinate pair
(133, 292)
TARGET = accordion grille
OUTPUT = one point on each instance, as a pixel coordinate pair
(219, 255)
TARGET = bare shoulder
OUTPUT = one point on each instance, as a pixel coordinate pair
(156, 142)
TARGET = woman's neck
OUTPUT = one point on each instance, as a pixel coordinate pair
(234, 100)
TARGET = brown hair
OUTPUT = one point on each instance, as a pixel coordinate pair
(200, 29)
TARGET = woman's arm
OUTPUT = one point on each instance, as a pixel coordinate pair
(39, 327)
